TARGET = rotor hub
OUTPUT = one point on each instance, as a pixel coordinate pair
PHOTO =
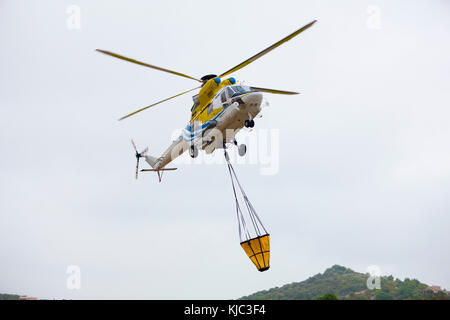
(207, 77)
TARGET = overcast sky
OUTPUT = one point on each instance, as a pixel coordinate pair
(364, 158)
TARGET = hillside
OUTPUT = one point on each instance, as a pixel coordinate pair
(345, 284)
(5, 296)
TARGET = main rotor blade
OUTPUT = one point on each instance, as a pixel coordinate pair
(275, 45)
(177, 95)
(273, 91)
(115, 55)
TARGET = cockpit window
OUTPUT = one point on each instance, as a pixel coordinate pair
(223, 96)
(237, 90)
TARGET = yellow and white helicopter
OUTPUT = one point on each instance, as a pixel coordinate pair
(221, 108)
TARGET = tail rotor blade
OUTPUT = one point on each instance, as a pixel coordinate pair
(138, 156)
(137, 168)
(134, 145)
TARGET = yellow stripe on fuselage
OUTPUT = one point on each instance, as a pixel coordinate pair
(205, 97)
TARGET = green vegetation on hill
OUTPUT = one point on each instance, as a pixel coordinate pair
(345, 284)
(5, 296)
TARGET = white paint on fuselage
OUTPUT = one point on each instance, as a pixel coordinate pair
(231, 121)
(228, 125)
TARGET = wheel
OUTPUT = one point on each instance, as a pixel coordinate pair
(249, 123)
(193, 152)
(242, 150)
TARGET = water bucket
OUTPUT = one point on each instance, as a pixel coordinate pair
(258, 250)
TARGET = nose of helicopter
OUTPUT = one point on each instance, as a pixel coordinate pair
(252, 99)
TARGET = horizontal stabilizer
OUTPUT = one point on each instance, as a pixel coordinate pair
(163, 169)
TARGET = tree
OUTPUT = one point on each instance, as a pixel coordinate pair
(383, 296)
(328, 296)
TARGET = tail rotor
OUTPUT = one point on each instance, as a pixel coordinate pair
(138, 156)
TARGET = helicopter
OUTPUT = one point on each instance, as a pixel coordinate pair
(221, 108)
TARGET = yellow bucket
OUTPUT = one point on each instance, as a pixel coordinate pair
(258, 250)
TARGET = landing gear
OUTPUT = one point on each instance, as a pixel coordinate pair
(249, 123)
(193, 151)
(242, 150)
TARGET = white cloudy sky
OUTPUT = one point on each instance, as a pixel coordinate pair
(364, 173)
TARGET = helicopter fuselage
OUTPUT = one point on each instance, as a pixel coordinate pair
(214, 122)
